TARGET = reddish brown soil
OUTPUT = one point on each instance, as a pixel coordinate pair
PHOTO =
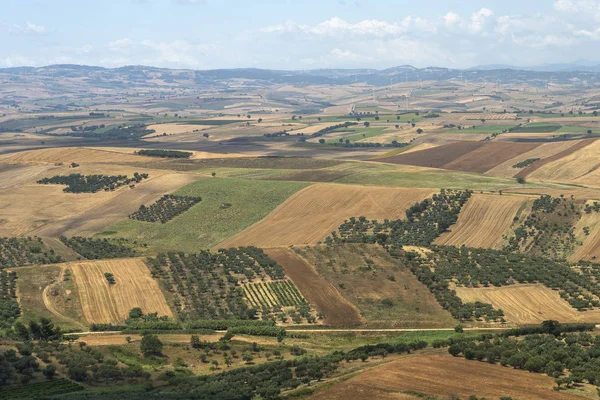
(489, 156)
(316, 290)
(436, 157)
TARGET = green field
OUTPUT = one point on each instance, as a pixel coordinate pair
(538, 127)
(209, 222)
(480, 129)
(361, 133)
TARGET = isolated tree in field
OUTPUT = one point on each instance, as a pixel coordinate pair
(483, 120)
(151, 344)
(377, 118)
(259, 120)
(397, 126)
(367, 124)
(358, 119)
(319, 119)
(249, 116)
(589, 132)
(419, 131)
(413, 124)
(521, 180)
(206, 135)
(136, 313)
(213, 174)
(322, 141)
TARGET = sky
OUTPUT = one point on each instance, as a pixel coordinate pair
(298, 35)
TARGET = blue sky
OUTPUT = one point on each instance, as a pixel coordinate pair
(205, 34)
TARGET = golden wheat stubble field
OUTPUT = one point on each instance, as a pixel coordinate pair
(110, 303)
(28, 208)
(312, 213)
(483, 221)
(416, 376)
(528, 304)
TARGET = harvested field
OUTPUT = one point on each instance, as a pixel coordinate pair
(419, 147)
(106, 210)
(487, 116)
(436, 157)
(173, 129)
(316, 290)
(105, 303)
(483, 221)
(14, 175)
(312, 213)
(69, 155)
(528, 304)
(444, 375)
(590, 248)
(489, 156)
(543, 152)
(570, 165)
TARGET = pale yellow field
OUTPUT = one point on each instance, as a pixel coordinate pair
(69, 155)
(483, 221)
(487, 116)
(45, 210)
(576, 167)
(105, 303)
(16, 175)
(528, 304)
(546, 150)
(312, 213)
(174, 128)
(591, 243)
(423, 146)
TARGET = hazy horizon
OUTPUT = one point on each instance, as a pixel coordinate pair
(205, 34)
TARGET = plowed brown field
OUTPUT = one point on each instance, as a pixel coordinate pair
(483, 221)
(436, 157)
(489, 156)
(316, 290)
(528, 304)
(105, 303)
(443, 375)
(312, 213)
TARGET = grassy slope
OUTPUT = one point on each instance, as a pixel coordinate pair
(346, 268)
(206, 224)
(31, 283)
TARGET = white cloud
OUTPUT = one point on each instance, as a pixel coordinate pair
(177, 53)
(35, 28)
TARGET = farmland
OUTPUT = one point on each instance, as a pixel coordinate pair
(384, 291)
(287, 235)
(528, 304)
(445, 376)
(228, 206)
(103, 302)
(311, 214)
(484, 221)
(316, 290)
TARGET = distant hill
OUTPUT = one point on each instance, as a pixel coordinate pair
(149, 76)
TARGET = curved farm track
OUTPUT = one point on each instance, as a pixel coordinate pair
(48, 301)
